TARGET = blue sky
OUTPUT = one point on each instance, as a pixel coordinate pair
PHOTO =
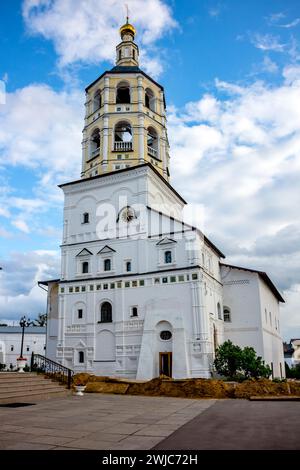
(231, 72)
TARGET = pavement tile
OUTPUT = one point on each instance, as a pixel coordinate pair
(156, 430)
(125, 428)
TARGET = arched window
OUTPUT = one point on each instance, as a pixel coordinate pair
(86, 218)
(123, 136)
(128, 266)
(123, 93)
(97, 101)
(152, 142)
(219, 311)
(95, 143)
(80, 357)
(168, 257)
(107, 265)
(85, 267)
(134, 312)
(149, 99)
(120, 54)
(106, 312)
(227, 314)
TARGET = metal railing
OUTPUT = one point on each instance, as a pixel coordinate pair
(152, 151)
(123, 146)
(52, 369)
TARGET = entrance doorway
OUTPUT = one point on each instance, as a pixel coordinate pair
(165, 363)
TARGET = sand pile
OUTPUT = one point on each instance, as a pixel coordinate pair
(188, 388)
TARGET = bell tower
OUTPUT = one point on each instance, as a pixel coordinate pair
(125, 120)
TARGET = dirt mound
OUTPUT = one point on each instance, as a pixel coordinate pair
(263, 387)
(187, 388)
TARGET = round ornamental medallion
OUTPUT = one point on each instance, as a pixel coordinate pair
(127, 214)
(165, 335)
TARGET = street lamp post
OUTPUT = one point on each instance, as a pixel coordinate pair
(23, 324)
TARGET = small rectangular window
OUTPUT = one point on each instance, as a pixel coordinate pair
(62, 290)
(119, 284)
(27, 348)
(105, 286)
(86, 218)
(119, 157)
(194, 276)
(98, 286)
(80, 313)
(127, 284)
(112, 286)
(11, 348)
(70, 290)
(164, 280)
(82, 288)
(173, 279)
(142, 282)
(77, 289)
(157, 280)
(134, 311)
(91, 287)
(181, 278)
(187, 277)
(134, 283)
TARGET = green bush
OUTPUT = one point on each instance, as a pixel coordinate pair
(239, 364)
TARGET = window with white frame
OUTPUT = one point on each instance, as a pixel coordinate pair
(85, 267)
(128, 266)
(134, 311)
(81, 357)
(168, 256)
(107, 264)
(227, 314)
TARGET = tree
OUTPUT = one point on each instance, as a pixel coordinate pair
(41, 320)
(253, 365)
(228, 359)
(231, 361)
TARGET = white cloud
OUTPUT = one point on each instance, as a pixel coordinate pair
(19, 292)
(240, 158)
(269, 65)
(21, 225)
(290, 316)
(88, 31)
(292, 24)
(267, 42)
(275, 17)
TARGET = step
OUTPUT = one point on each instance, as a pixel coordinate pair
(34, 396)
(16, 380)
(18, 374)
(29, 387)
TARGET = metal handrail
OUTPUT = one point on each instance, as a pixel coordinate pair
(51, 368)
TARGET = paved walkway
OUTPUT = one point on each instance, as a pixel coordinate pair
(240, 425)
(96, 421)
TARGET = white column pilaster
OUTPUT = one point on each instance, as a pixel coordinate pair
(106, 94)
(140, 94)
(141, 133)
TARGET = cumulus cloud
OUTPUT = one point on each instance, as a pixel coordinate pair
(241, 158)
(88, 32)
(40, 130)
(19, 292)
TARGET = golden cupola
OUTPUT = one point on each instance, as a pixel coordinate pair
(127, 50)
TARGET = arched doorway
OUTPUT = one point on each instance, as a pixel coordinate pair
(164, 335)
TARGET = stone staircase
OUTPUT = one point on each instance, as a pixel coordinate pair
(27, 387)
